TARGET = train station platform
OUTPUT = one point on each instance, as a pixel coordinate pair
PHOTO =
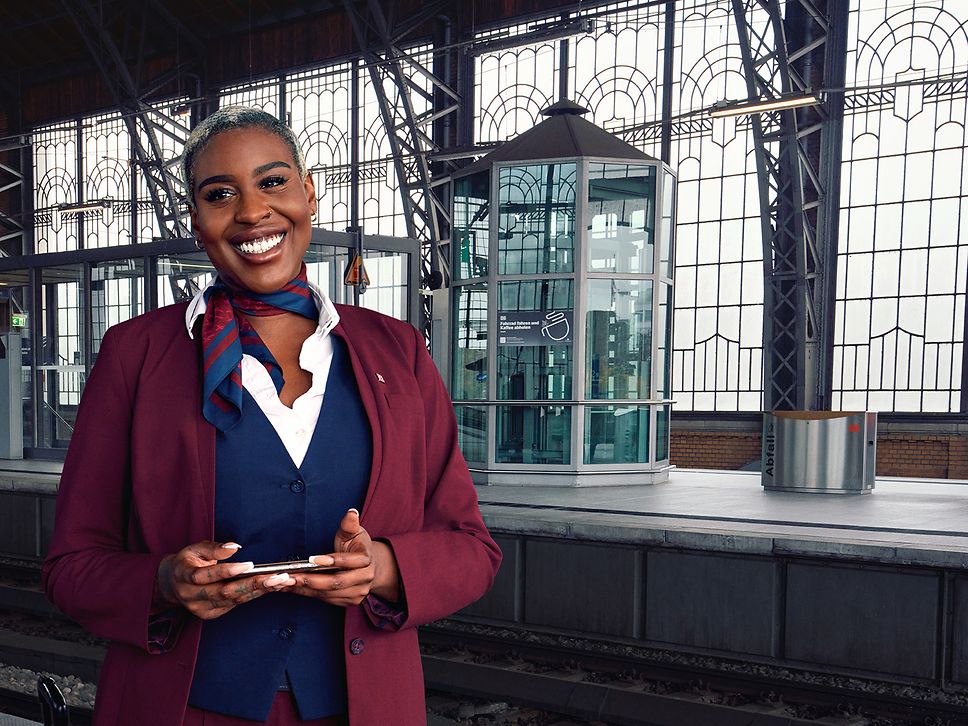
(705, 571)
(909, 521)
(709, 570)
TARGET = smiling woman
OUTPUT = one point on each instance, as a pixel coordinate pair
(262, 418)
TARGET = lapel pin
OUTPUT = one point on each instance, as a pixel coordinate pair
(380, 378)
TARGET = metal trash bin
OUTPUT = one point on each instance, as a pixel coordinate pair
(820, 452)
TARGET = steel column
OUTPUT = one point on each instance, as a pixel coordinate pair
(143, 122)
(410, 135)
(798, 160)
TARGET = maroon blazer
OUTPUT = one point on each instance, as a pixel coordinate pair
(138, 484)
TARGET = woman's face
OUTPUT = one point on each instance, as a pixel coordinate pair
(252, 211)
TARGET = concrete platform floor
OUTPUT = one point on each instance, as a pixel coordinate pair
(917, 521)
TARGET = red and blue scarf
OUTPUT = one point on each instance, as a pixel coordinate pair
(226, 335)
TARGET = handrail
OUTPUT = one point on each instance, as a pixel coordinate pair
(57, 414)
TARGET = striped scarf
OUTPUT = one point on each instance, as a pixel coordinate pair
(226, 335)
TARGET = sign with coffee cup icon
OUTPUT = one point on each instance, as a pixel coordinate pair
(535, 327)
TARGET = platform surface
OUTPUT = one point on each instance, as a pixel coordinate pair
(914, 521)
(910, 521)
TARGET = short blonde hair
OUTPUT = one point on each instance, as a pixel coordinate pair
(230, 118)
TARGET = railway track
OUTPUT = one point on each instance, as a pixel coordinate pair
(25, 705)
(584, 679)
(626, 684)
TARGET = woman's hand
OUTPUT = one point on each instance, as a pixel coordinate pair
(364, 567)
(195, 579)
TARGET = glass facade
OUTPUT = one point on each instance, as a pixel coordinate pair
(76, 303)
(472, 233)
(618, 339)
(536, 224)
(647, 76)
(534, 371)
(533, 435)
(617, 434)
(621, 225)
(60, 358)
(470, 363)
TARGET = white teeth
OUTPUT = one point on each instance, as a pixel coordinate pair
(263, 244)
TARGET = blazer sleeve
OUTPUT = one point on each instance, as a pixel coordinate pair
(451, 560)
(89, 572)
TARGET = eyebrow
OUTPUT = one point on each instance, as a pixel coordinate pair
(219, 178)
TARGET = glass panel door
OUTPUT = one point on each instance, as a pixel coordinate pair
(60, 353)
(389, 290)
(117, 294)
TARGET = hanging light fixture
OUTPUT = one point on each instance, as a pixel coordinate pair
(722, 109)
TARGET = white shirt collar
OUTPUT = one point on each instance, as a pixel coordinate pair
(328, 316)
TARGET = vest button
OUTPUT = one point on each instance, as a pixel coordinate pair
(356, 646)
(285, 633)
(297, 486)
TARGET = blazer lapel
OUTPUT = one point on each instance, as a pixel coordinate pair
(365, 385)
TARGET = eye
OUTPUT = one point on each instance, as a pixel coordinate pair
(217, 194)
(272, 181)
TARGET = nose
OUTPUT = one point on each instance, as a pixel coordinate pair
(251, 209)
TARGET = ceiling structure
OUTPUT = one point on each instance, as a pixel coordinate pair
(48, 69)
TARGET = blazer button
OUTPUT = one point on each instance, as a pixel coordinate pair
(297, 486)
(356, 646)
(285, 633)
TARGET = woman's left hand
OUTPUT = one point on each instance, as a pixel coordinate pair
(364, 567)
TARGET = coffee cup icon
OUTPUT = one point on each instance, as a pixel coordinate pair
(556, 326)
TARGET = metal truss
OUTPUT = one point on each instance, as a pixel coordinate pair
(397, 78)
(797, 160)
(145, 124)
(13, 235)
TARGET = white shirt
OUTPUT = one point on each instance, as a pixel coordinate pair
(294, 425)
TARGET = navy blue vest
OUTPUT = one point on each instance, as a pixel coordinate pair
(277, 511)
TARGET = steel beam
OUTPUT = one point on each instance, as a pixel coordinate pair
(397, 78)
(798, 159)
(13, 234)
(144, 123)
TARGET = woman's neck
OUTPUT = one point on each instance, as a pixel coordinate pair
(284, 335)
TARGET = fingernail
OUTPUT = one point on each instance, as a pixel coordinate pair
(237, 568)
(324, 560)
(232, 546)
(353, 509)
(278, 579)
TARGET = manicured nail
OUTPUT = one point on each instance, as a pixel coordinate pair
(323, 560)
(232, 546)
(237, 568)
(280, 578)
(353, 509)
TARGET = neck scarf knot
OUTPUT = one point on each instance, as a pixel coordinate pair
(226, 335)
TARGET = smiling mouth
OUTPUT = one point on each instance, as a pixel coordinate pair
(260, 245)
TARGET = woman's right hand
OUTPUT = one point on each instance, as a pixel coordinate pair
(196, 579)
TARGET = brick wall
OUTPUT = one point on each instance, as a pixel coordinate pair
(713, 449)
(943, 456)
(906, 454)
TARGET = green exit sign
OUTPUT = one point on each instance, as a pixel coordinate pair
(18, 321)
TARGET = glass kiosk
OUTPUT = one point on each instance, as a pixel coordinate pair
(561, 315)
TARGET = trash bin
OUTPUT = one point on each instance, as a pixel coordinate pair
(820, 452)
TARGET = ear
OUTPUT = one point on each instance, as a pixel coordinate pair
(310, 187)
(194, 215)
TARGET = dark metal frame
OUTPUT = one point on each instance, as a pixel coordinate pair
(144, 123)
(797, 158)
(798, 152)
(410, 134)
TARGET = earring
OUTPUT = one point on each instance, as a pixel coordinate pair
(198, 243)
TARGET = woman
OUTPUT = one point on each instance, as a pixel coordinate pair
(261, 423)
